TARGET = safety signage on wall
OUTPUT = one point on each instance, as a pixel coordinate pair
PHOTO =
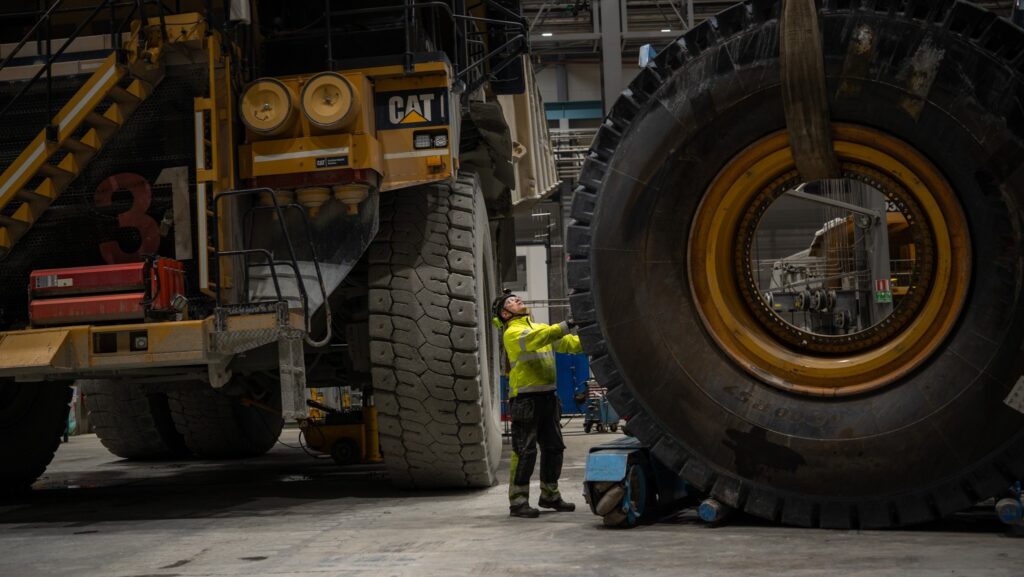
(883, 291)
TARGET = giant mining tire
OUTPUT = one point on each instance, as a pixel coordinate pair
(927, 100)
(216, 425)
(131, 422)
(33, 417)
(434, 352)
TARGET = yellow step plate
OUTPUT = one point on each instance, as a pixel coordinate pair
(22, 352)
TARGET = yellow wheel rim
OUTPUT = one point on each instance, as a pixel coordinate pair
(842, 366)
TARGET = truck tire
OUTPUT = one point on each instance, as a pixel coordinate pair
(33, 417)
(220, 426)
(131, 422)
(433, 351)
(934, 86)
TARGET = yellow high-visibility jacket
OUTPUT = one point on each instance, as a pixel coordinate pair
(531, 351)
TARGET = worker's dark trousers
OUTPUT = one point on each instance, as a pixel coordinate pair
(535, 420)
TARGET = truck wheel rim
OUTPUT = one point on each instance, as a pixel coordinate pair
(744, 326)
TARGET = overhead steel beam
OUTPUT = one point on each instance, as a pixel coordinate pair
(798, 192)
(655, 35)
(611, 52)
(573, 37)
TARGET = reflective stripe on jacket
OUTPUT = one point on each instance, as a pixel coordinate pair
(531, 351)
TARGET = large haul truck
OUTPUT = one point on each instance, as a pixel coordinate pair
(207, 208)
(870, 375)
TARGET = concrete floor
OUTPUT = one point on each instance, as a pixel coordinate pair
(287, 514)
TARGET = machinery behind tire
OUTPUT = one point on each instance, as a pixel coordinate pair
(939, 80)
(432, 348)
(217, 425)
(131, 422)
(33, 417)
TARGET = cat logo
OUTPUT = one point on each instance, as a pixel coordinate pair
(412, 108)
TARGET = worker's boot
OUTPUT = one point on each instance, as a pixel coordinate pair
(523, 510)
(557, 504)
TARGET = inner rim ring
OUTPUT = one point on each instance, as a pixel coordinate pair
(729, 317)
(901, 316)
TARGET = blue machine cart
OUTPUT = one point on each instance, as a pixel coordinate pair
(599, 413)
(625, 485)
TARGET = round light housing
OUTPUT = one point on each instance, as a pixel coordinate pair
(266, 107)
(329, 101)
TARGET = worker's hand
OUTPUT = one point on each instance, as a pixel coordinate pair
(571, 324)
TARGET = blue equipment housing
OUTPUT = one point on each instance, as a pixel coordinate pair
(1011, 509)
(625, 485)
(571, 374)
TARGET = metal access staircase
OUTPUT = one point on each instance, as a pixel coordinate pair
(74, 136)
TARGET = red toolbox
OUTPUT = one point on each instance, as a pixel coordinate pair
(101, 294)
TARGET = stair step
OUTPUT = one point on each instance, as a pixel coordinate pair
(100, 121)
(55, 172)
(27, 195)
(121, 95)
(140, 87)
(74, 145)
(13, 224)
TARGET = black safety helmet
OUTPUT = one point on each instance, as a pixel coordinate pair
(498, 306)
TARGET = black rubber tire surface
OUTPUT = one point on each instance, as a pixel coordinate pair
(33, 417)
(433, 350)
(933, 443)
(131, 422)
(218, 426)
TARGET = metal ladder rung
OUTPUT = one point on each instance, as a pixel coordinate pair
(55, 172)
(13, 224)
(100, 121)
(32, 196)
(119, 94)
(74, 145)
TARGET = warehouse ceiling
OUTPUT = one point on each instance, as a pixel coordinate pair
(567, 30)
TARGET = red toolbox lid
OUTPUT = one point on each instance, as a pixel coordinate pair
(87, 280)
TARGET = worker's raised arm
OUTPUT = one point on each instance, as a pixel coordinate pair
(538, 336)
(569, 343)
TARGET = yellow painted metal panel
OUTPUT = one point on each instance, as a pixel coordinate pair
(41, 352)
(263, 321)
(164, 339)
(296, 155)
(35, 350)
(405, 166)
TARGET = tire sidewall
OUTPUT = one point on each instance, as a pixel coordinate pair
(487, 285)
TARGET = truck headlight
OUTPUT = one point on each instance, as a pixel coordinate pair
(266, 107)
(430, 139)
(329, 101)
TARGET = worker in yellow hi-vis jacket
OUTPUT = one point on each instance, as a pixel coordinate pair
(533, 403)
